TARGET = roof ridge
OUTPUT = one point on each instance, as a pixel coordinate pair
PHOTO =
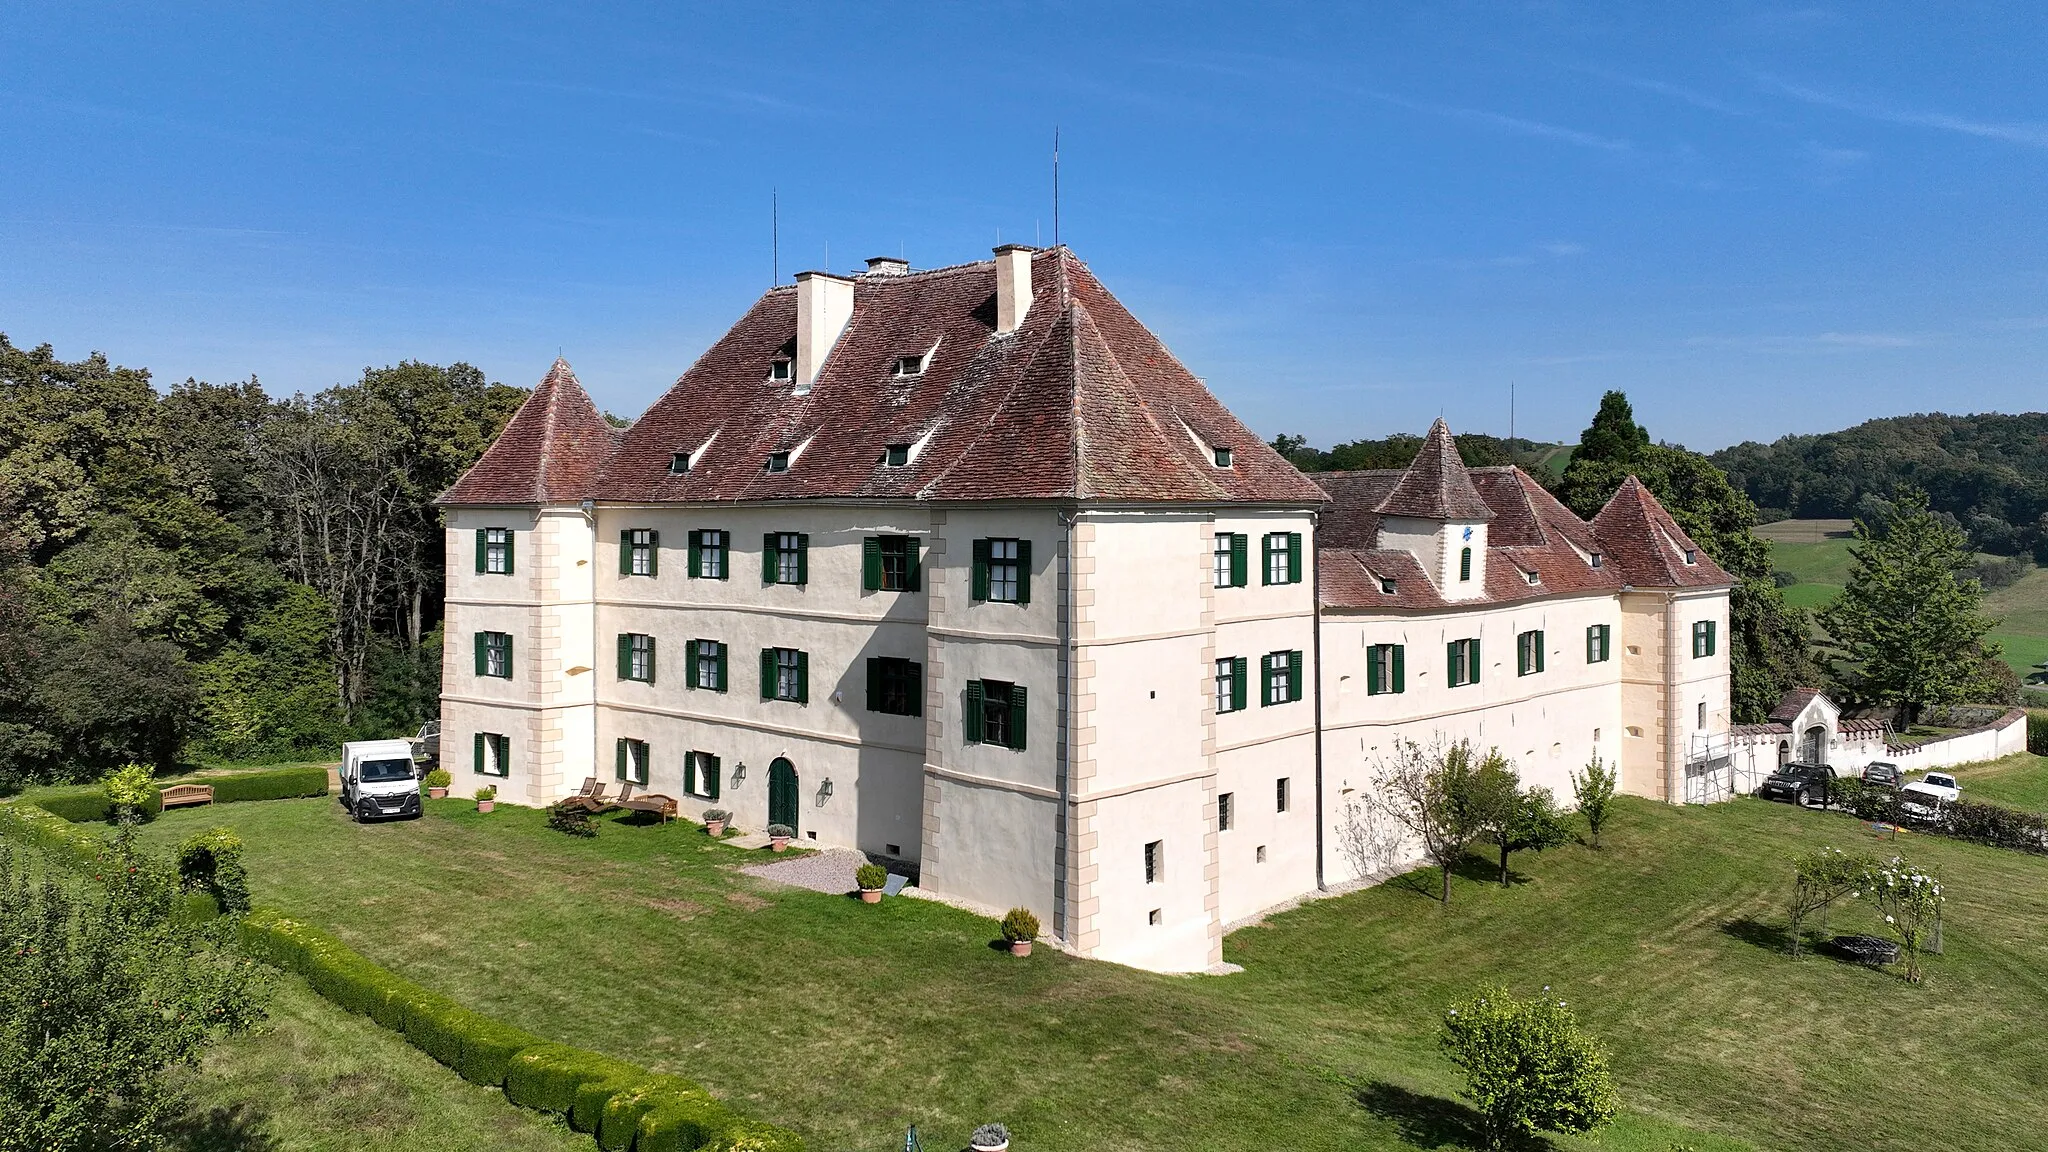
(1141, 407)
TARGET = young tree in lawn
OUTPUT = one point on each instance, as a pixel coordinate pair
(1532, 823)
(1910, 902)
(1911, 619)
(1594, 790)
(1440, 797)
(1528, 1067)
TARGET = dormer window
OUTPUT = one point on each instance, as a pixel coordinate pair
(1595, 560)
(778, 462)
(1532, 578)
(909, 366)
(679, 463)
(1692, 557)
(896, 455)
(781, 369)
(1223, 457)
(1386, 585)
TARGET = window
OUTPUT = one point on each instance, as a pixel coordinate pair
(1223, 457)
(1386, 669)
(1598, 637)
(1002, 571)
(493, 754)
(632, 760)
(1386, 585)
(785, 558)
(995, 714)
(1529, 653)
(889, 564)
(704, 665)
(1703, 714)
(1224, 804)
(1703, 639)
(1692, 557)
(679, 463)
(1155, 918)
(1260, 856)
(1230, 683)
(1280, 678)
(778, 462)
(700, 775)
(636, 657)
(710, 554)
(909, 365)
(895, 686)
(1155, 862)
(639, 552)
(494, 551)
(1530, 576)
(785, 675)
(779, 369)
(1595, 560)
(1464, 564)
(494, 654)
(896, 455)
(1463, 657)
(1280, 796)
(1283, 558)
(1231, 549)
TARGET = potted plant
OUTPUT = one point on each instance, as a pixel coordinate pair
(778, 836)
(871, 877)
(437, 783)
(487, 798)
(991, 1137)
(715, 821)
(1020, 928)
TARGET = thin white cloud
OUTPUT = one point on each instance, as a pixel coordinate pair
(2027, 134)
(1505, 123)
(1821, 342)
(1564, 248)
(1692, 96)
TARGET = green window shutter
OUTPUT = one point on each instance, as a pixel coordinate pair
(768, 558)
(1294, 675)
(690, 665)
(1240, 669)
(767, 673)
(1451, 664)
(654, 552)
(626, 552)
(1023, 571)
(917, 689)
(1400, 668)
(1294, 557)
(720, 686)
(913, 565)
(1373, 687)
(971, 729)
(481, 545)
(1711, 627)
(1018, 715)
(1540, 646)
(481, 663)
(1238, 544)
(696, 554)
(871, 564)
(653, 650)
(479, 752)
(620, 759)
(510, 536)
(803, 558)
(1522, 655)
(1267, 552)
(690, 773)
(625, 656)
(1592, 644)
(803, 678)
(713, 769)
(1473, 650)
(1465, 564)
(1265, 682)
(980, 588)
(874, 682)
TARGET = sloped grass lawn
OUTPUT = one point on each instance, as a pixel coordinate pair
(850, 1022)
(2017, 781)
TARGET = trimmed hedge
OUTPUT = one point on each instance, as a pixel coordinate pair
(666, 1112)
(36, 825)
(2037, 733)
(754, 1136)
(88, 804)
(273, 784)
(1971, 820)
(548, 1076)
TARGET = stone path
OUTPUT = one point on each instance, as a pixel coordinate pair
(827, 870)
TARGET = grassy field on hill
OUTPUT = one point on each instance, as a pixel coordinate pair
(850, 1022)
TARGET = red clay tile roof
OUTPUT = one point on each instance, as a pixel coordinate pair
(1436, 485)
(549, 453)
(1647, 545)
(1741, 730)
(1792, 703)
(1080, 402)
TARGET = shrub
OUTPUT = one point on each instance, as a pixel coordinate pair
(569, 820)
(211, 862)
(487, 792)
(1994, 825)
(754, 1136)
(2037, 733)
(195, 908)
(1910, 902)
(780, 832)
(131, 791)
(717, 816)
(989, 1136)
(870, 877)
(1019, 924)
(586, 1111)
(687, 1116)
(1820, 878)
(1594, 791)
(548, 1076)
(682, 1121)
(82, 805)
(438, 778)
(1527, 1066)
(32, 824)
(273, 784)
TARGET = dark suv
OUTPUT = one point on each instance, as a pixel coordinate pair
(1801, 784)
(1883, 774)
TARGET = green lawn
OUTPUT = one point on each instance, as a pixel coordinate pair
(849, 1022)
(2018, 781)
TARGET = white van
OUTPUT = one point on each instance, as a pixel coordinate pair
(378, 779)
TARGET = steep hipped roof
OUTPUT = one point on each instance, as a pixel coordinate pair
(1080, 402)
(1792, 703)
(1436, 485)
(1648, 546)
(549, 453)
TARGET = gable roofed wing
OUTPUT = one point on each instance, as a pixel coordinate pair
(550, 452)
(1648, 546)
(1436, 485)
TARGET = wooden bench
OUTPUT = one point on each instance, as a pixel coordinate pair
(181, 794)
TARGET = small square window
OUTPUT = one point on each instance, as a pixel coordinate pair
(679, 463)
(781, 369)
(1223, 811)
(778, 462)
(1691, 556)
(1155, 862)
(1386, 585)
(1260, 855)
(1223, 457)
(909, 365)
(896, 455)
(1154, 918)
(1280, 796)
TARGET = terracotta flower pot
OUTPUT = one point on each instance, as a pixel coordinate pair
(779, 843)
(1020, 947)
(714, 828)
(871, 895)
(437, 793)
(486, 805)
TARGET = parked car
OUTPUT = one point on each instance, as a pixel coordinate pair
(1923, 798)
(427, 745)
(1883, 774)
(377, 779)
(1802, 784)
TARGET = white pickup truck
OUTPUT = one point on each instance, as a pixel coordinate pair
(1922, 799)
(378, 779)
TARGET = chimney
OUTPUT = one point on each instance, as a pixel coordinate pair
(887, 266)
(1013, 286)
(824, 304)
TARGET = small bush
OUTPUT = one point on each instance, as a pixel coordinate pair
(870, 877)
(780, 832)
(131, 790)
(211, 862)
(570, 821)
(438, 778)
(195, 908)
(989, 1136)
(1019, 924)
(487, 792)
(1527, 1066)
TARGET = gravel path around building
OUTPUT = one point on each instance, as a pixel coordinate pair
(828, 870)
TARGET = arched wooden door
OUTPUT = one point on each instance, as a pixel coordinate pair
(782, 805)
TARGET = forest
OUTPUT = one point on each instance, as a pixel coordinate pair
(212, 572)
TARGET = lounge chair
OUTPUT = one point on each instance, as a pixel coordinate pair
(592, 801)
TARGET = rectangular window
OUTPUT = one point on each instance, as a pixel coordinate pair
(636, 657)
(1279, 678)
(704, 665)
(1283, 558)
(1703, 714)
(494, 654)
(700, 775)
(1002, 571)
(785, 558)
(1598, 637)
(1155, 862)
(896, 455)
(1231, 674)
(678, 463)
(1703, 638)
(889, 564)
(710, 554)
(785, 675)
(995, 714)
(1464, 564)
(494, 551)
(1224, 803)
(1529, 653)
(1463, 658)
(895, 686)
(1386, 669)
(778, 462)
(1230, 559)
(639, 552)
(493, 754)
(632, 760)
(1280, 796)
(1222, 457)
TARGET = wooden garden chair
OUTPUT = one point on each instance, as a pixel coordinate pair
(662, 806)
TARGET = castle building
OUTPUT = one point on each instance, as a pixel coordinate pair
(962, 567)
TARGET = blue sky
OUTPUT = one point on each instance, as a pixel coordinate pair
(1754, 219)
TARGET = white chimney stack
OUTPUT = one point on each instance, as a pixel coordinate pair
(824, 305)
(1013, 286)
